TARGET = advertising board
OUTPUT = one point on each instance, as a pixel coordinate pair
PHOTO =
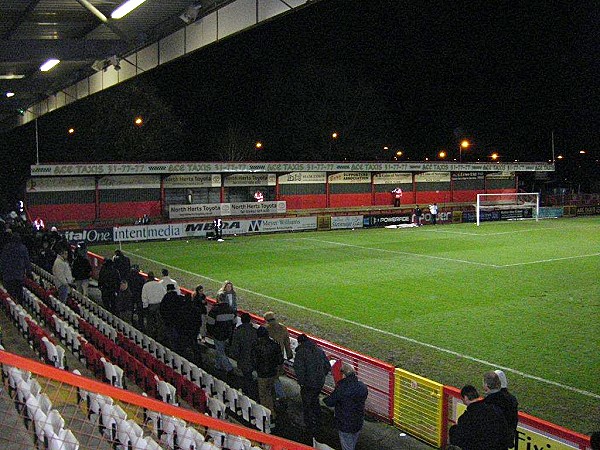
(90, 237)
(226, 209)
(388, 219)
(346, 222)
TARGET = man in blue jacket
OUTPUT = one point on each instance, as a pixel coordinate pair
(348, 399)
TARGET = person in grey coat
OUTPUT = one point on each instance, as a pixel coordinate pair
(311, 366)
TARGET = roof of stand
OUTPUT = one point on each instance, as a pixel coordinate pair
(80, 33)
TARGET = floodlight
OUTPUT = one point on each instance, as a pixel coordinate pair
(11, 76)
(49, 65)
(126, 8)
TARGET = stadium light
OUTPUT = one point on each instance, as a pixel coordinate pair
(442, 154)
(49, 65)
(10, 94)
(139, 121)
(494, 156)
(126, 8)
(71, 130)
(464, 144)
(258, 145)
(334, 135)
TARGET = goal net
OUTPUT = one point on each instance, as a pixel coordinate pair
(511, 206)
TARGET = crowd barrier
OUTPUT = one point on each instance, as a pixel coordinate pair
(423, 408)
(137, 406)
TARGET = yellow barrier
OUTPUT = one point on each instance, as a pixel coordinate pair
(418, 406)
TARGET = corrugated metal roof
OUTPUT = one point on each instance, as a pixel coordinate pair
(32, 31)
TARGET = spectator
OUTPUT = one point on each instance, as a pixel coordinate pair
(152, 294)
(243, 350)
(82, 271)
(480, 427)
(166, 279)
(124, 302)
(219, 324)
(191, 320)
(170, 311)
(14, 266)
(46, 256)
(122, 263)
(279, 334)
(62, 273)
(397, 195)
(200, 302)
(108, 282)
(502, 399)
(227, 294)
(311, 367)
(136, 281)
(418, 215)
(433, 209)
(348, 399)
(268, 360)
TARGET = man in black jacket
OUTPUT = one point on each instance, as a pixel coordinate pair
(311, 366)
(219, 324)
(268, 359)
(498, 396)
(170, 311)
(481, 426)
(348, 399)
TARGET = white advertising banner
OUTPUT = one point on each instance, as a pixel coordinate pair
(501, 175)
(345, 222)
(60, 184)
(273, 167)
(350, 177)
(433, 177)
(392, 178)
(194, 180)
(231, 227)
(148, 232)
(303, 178)
(250, 179)
(130, 182)
(226, 209)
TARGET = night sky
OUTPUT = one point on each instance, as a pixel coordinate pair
(412, 76)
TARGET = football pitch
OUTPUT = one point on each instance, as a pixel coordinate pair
(447, 302)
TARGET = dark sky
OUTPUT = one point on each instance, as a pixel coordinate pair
(416, 76)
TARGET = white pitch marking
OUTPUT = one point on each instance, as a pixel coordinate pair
(397, 252)
(389, 333)
(540, 261)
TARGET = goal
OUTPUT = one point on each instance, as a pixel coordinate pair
(512, 206)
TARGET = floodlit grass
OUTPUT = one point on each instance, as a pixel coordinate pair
(521, 295)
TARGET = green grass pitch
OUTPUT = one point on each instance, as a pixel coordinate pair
(447, 302)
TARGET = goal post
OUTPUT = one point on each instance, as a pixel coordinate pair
(507, 206)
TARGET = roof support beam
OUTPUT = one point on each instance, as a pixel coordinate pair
(109, 23)
(26, 12)
(25, 50)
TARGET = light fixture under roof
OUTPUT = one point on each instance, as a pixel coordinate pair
(11, 76)
(126, 8)
(10, 94)
(49, 65)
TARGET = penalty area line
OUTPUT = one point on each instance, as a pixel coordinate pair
(384, 332)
